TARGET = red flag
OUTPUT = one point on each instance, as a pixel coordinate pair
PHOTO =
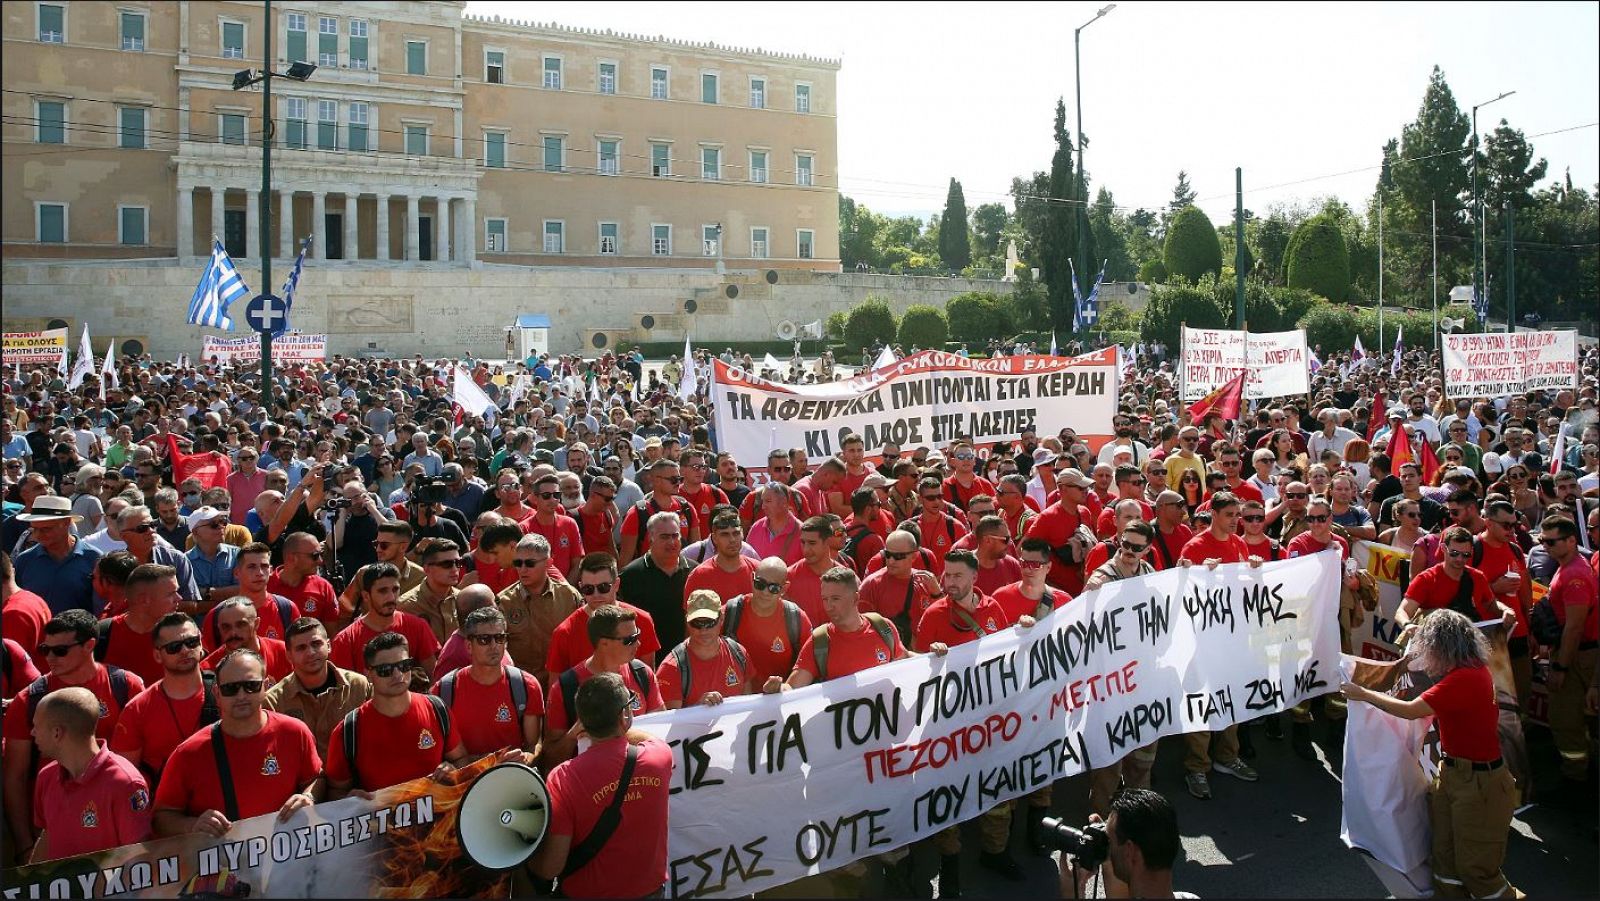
(1400, 448)
(1226, 399)
(1376, 417)
(211, 468)
(1426, 459)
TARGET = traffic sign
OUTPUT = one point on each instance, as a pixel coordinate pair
(266, 313)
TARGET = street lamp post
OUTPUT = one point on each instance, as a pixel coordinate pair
(1077, 86)
(1480, 256)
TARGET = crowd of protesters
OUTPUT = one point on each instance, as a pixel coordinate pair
(189, 556)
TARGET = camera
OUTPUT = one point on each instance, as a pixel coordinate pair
(339, 503)
(431, 490)
(1087, 846)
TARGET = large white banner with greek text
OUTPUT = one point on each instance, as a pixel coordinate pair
(927, 399)
(294, 347)
(769, 789)
(1499, 363)
(1278, 362)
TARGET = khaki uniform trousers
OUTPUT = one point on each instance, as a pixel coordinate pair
(1132, 771)
(994, 826)
(1197, 756)
(1471, 813)
(1567, 717)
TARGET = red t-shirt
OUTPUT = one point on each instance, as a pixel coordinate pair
(570, 644)
(1055, 525)
(634, 523)
(484, 717)
(19, 671)
(267, 768)
(1434, 588)
(722, 674)
(1206, 546)
(1016, 606)
(646, 699)
(1006, 570)
(268, 623)
(805, 590)
(851, 652)
(634, 863)
(958, 494)
(1303, 545)
(1172, 544)
(132, 651)
(1463, 703)
(728, 586)
(106, 807)
(1574, 586)
(1106, 522)
(888, 596)
(23, 621)
(767, 641)
(314, 596)
(498, 577)
(566, 542)
(940, 532)
(1245, 491)
(392, 749)
(19, 722)
(597, 531)
(943, 623)
(814, 501)
(153, 725)
(274, 652)
(1499, 559)
(701, 501)
(848, 483)
(348, 647)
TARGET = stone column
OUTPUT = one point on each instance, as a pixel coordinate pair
(352, 246)
(286, 246)
(469, 234)
(413, 247)
(252, 223)
(218, 203)
(319, 222)
(444, 229)
(185, 221)
(383, 226)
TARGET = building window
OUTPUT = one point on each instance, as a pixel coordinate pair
(494, 149)
(52, 23)
(130, 121)
(709, 238)
(711, 163)
(416, 140)
(494, 235)
(608, 238)
(758, 166)
(295, 49)
(357, 49)
(233, 40)
(802, 98)
(609, 156)
(758, 243)
(52, 119)
(553, 147)
(554, 236)
(552, 73)
(802, 169)
(494, 66)
(51, 226)
(356, 114)
(608, 78)
(805, 243)
(758, 93)
(133, 32)
(708, 87)
(661, 160)
(132, 222)
(661, 240)
(294, 125)
(328, 42)
(233, 125)
(416, 57)
(327, 125)
(658, 83)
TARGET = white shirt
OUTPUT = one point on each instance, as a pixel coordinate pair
(1319, 442)
(1427, 425)
(1108, 451)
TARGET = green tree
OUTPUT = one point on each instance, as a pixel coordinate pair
(1428, 168)
(923, 326)
(1272, 246)
(859, 233)
(955, 245)
(834, 328)
(1192, 249)
(1029, 306)
(1171, 306)
(1153, 272)
(989, 220)
(1183, 195)
(1319, 261)
(1059, 240)
(869, 322)
(1110, 238)
(977, 316)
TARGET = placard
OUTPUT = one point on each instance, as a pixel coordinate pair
(294, 347)
(1495, 364)
(46, 346)
(1279, 363)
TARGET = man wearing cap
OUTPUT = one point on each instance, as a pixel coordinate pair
(245, 484)
(1185, 457)
(462, 493)
(1060, 524)
(706, 667)
(59, 567)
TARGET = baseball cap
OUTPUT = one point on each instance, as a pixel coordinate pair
(1074, 477)
(876, 480)
(703, 604)
(1043, 456)
(204, 514)
(1492, 463)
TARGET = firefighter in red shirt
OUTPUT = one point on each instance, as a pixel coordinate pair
(88, 798)
(1453, 584)
(170, 710)
(124, 640)
(561, 530)
(1319, 515)
(1572, 656)
(486, 705)
(728, 573)
(938, 529)
(1059, 524)
(705, 667)
(238, 623)
(615, 635)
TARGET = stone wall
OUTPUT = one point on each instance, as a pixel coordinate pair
(444, 310)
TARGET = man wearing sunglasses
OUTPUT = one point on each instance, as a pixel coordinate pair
(1572, 597)
(170, 710)
(1453, 583)
(665, 478)
(1501, 560)
(380, 597)
(150, 592)
(706, 667)
(83, 775)
(559, 530)
(391, 545)
(236, 620)
(964, 483)
(769, 627)
(1130, 482)
(68, 652)
(211, 559)
(1320, 537)
(434, 600)
(615, 635)
(493, 704)
(252, 570)
(297, 579)
(570, 643)
(317, 693)
(728, 573)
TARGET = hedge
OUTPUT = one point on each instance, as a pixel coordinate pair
(923, 326)
(1192, 249)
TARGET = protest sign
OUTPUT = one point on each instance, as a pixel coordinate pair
(294, 347)
(1278, 362)
(771, 788)
(403, 842)
(929, 399)
(35, 347)
(1494, 364)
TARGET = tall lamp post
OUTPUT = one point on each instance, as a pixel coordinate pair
(1480, 256)
(298, 71)
(1077, 86)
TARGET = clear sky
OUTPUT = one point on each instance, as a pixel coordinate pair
(1291, 92)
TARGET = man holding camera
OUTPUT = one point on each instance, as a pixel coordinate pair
(1139, 842)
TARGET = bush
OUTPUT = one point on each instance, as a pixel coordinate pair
(1333, 327)
(1115, 315)
(1171, 306)
(834, 327)
(976, 316)
(1192, 248)
(1153, 272)
(869, 322)
(1318, 259)
(923, 326)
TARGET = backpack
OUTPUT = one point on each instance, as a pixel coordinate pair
(681, 655)
(519, 689)
(352, 719)
(648, 508)
(119, 689)
(569, 686)
(853, 541)
(733, 611)
(820, 640)
(285, 617)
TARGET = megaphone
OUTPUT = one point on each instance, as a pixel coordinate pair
(503, 817)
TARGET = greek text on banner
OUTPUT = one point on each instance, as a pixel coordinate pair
(1277, 362)
(772, 788)
(1498, 363)
(293, 347)
(35, 347)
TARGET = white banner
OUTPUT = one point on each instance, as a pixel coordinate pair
(929, 399)
(1279, 362)
(48, 346)
(294, 347)
(771, 788)
(1499, 363)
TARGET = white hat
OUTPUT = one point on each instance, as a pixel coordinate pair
(1492, 463)
(204, 514)
(49, 507)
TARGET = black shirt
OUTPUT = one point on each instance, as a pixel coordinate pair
(659, 594)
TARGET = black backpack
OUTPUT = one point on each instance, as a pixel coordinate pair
(518, 688)
(568, 682)
(681, 655)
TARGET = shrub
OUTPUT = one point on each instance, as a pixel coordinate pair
(868, 322)
(976, 316)
(1153, 272)
(1192, 248)
(1171, 306)
(835, 324)
(1318, 259)
(923, 326)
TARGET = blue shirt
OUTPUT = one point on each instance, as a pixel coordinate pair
(175, 558)
(216, 571)
(67, 585)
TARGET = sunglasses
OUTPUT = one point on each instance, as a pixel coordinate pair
(549, 495)
(1297, 495)
(232, 689)
(930, 498)
(704, 623)
(457, 563)
(143, 528)
(1034, 564)
(58, 650)
(1318, 518)
(385, 670)
(780, 469)
(1256, 517)
(1505, 523)
(190, 643)
(965, 457)
(676, 480)
(484, 641)
(1411, 514)
(1459, 555)
(628, 641)
(897, 555)
(1134, 548)
(602, 588)
(761, 584)
(385, 545)
(1552, 542)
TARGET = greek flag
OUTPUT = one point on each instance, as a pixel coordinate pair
(289, 286)
(1480, 305)
(1086, 310)
(220, 285)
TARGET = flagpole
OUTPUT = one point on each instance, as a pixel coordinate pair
(1380, 270)
(1435, 276)
(266, 199)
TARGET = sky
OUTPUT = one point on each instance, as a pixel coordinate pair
(1301, 96)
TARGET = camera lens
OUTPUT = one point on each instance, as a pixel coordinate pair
(1087, 846)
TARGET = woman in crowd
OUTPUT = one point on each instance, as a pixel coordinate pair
(1403, 536)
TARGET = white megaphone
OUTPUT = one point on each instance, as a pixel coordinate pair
(503, 817)
(1452, 325)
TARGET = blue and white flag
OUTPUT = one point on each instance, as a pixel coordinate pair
(289, 286)
(1077, 298)
(1086, 310)
(1480, 305)
(220, 285)
(1399, 350)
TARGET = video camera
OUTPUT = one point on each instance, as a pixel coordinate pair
(431, 490)
(1087, 847)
